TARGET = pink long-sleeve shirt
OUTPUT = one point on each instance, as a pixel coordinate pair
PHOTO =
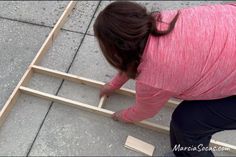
(196, 61)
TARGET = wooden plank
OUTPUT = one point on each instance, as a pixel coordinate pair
(86, 81)
(108, 113)
(101, 102)
(139, 146)
(232, 148)
(27, 75)
(173, 103)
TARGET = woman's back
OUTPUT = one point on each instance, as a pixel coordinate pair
(197, 60)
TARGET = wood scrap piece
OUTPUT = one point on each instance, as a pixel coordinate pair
(139, 145)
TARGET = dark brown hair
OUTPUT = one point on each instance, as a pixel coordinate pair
(122, 30)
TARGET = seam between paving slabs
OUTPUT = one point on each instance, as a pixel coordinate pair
(36, 24)
(68, 69)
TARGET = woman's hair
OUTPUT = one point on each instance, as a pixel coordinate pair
(122, 30)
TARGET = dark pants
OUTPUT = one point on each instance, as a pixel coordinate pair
(194, 122)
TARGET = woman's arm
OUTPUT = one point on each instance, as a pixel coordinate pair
(114, 84)
(149, 102)
(118, 81)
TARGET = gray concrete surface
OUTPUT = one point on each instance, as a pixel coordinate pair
(19, 44)
(36, 12)
(36, 128)
(46, 13)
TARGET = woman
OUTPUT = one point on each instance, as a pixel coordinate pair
(188, 54)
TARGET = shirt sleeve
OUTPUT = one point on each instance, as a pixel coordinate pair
(149, 101)
(119, 80)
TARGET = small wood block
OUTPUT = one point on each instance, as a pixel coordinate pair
(139, 146)
(102, 100)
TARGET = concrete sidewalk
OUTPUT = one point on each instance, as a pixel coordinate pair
(36, 127)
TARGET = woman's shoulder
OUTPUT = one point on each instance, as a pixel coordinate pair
(215, 7)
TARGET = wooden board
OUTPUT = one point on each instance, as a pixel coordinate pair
(139, 146)
(102, 101)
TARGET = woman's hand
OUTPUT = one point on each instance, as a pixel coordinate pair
(118, 117)
(106, 90)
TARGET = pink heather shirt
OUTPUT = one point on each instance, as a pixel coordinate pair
(196, 61)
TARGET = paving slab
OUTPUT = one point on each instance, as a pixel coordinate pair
(48, 12)
(60, 55)
(37, 12)
(21, 126)
(84, 93)
(81, 16)
(19, 44)
(27, 116)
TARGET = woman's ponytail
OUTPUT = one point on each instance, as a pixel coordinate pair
(154, 20)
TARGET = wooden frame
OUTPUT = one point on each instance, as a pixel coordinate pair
(34, 68)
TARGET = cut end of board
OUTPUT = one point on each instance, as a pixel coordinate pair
(139, 146)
